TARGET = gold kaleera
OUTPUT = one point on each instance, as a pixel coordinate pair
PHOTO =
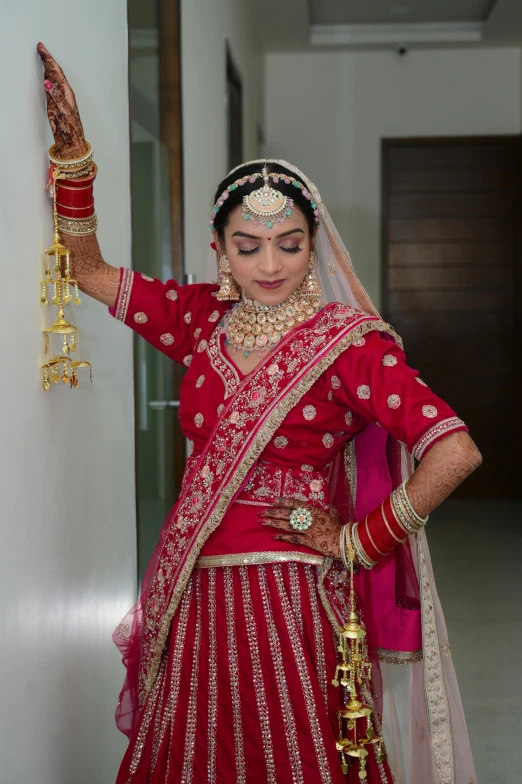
(64, 365)
(356, 727)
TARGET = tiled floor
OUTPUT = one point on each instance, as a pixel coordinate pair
(476, 548)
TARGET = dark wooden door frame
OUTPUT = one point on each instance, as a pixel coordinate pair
(170, 98)
(386, 146)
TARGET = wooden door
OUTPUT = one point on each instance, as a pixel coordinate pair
(451, 285)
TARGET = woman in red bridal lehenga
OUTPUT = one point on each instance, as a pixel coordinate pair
(231, 649)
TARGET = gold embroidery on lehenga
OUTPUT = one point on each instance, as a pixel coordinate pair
(233, 667)
(257, 673)
(249, 559)
(292, 742)
(304, 676)
(320, 658)
(192, 708)
(295, 595)
(175, 676)
(146, 720)
(212, 680)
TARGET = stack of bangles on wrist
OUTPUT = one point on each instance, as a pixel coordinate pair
(74, 182)
(381, 530)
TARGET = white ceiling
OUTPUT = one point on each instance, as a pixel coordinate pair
(351, 12)
(285, 25)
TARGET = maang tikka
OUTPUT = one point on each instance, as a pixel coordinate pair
(266, 205)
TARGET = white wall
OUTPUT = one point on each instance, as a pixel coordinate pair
(205, 28)
(327, 113)
(67, 570)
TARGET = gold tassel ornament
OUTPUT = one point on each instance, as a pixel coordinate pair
(64, 364)
(356, 727)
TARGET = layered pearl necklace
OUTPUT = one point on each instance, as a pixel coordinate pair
(252, 326)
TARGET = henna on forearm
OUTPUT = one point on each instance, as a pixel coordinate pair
(447, 464)
(95, 277)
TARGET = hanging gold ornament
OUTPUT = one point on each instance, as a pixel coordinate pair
(58, 261)
(353, 671)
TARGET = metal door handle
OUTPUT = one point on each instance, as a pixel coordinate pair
(161, 404)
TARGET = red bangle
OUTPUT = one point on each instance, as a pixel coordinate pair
(75, 212)
(366, 542)
(393, 523)
(74, 197)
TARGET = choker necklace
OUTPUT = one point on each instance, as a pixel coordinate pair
(252, 326)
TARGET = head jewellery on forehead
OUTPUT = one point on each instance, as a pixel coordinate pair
(266, 205)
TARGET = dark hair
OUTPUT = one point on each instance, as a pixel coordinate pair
(236, 196)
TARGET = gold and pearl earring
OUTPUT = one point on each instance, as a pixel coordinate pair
(228, 289)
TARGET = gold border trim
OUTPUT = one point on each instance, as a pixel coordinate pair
(443, 427)
(399, 657)
(124, 294)
(248, 559)
(437, 703)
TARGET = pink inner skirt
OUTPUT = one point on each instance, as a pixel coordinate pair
(244, 691)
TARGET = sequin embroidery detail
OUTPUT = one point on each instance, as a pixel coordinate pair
(200, 381)
(394, 401)
(187, 360)
(198, 420)
(328, 440)
(140, 318)
(280, 442)
(172, 294)
(363, 392)
(429, 411)
(389, 360)
(187, 317)
(309, 413)
(167, 339)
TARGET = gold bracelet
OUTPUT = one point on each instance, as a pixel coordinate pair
(70, 163)
(78, 227)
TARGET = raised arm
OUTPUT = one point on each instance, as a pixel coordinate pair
(95, 277)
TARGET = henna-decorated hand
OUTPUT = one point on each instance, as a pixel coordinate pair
(323, 534)
(62, 110)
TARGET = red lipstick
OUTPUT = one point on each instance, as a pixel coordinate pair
(266, 284)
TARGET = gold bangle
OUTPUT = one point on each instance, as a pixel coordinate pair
(76, 175)
(70, 163)
(413, 514)
(401, 514)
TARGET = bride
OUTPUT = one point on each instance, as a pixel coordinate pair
(304, 418)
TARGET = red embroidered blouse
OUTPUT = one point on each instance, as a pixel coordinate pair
(369, 382)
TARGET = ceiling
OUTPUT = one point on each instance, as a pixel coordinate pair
(286, 25)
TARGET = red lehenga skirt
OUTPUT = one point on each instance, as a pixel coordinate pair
(244, 690)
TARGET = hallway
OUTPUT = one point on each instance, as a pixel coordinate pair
(475, 547)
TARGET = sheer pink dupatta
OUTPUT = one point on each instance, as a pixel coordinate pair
(423, 719)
